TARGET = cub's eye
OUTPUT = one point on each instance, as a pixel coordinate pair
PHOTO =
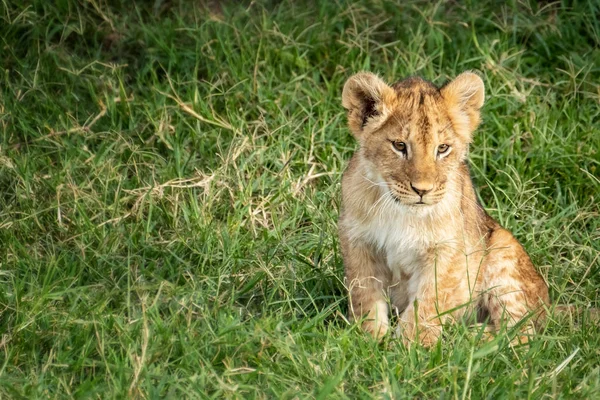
(443, 148)
(399, 146)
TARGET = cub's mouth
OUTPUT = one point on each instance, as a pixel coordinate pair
(404, 203)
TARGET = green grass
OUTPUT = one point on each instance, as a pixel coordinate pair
(170, 185)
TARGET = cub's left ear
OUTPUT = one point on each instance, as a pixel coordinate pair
(464, 97)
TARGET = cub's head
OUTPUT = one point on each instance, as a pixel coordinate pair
(413, 135)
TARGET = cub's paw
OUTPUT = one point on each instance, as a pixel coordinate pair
(424, 334)
(429, 336)
(377, 329)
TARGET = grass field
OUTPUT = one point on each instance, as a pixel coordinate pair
(170, 186)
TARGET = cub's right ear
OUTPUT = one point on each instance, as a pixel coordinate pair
(369, 101)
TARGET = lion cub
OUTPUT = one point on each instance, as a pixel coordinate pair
(412, 232)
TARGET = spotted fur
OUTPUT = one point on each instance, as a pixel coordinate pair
(413, 235)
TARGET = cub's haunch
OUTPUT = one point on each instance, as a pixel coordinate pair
(412, 232)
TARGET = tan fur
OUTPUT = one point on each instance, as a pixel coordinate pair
(412, 232)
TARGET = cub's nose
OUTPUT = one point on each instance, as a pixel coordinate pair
(422, 188)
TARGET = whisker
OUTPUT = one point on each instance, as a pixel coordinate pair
(381, 184)
(377, 202)
(383, 208)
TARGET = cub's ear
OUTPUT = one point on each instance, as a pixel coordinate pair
(368, 100)
(464, 97)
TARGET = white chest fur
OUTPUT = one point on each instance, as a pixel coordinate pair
(406, 235)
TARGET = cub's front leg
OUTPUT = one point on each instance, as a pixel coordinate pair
(420, 321)
(442, 292)
(367, 279)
